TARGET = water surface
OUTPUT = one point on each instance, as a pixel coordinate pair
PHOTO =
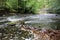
(42, 20)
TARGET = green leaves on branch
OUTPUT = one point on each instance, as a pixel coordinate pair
(12, 4)
(32, 5)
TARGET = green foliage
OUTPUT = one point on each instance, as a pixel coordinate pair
(31, 5)
(54, 6)
(12, 4)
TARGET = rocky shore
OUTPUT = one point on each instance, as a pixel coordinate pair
(43, 33)
(22, 31)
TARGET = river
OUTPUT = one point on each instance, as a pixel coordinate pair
(34, 20)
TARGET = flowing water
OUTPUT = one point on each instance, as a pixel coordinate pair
(37, 20)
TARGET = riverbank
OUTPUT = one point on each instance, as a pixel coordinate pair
(23, 32)
(43, 33)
